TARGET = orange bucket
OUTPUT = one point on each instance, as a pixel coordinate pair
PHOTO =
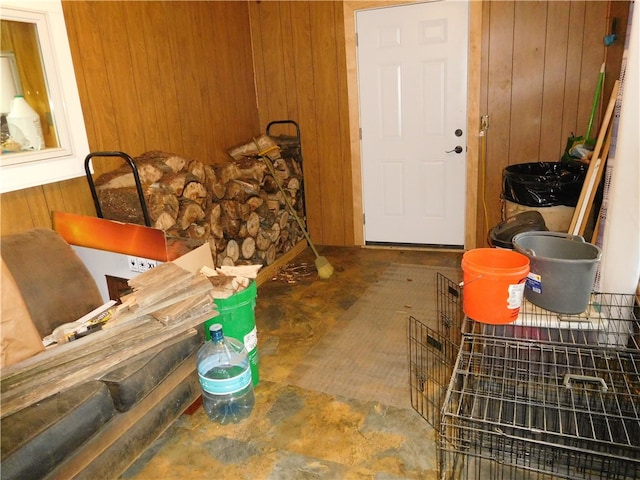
(493, 281)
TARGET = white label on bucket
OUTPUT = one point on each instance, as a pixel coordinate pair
(534, 282)
(251, 339)
(516, 293)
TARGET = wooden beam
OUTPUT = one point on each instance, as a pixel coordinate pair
(594, 172)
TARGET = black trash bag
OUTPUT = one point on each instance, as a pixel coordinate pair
(544, 184)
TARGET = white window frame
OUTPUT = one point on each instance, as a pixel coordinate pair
(32, 168)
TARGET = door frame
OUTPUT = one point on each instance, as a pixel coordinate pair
(350, 8)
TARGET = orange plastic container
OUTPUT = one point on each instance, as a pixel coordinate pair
(493, 284)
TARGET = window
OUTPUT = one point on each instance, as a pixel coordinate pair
(51, 90)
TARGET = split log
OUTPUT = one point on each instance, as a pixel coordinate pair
(252, 168)
(252, 147)
(190, 212)
(195, 191)
(164, 221)
(269, 184)
(269, 256)
(263, 240)
(230, 226)
(196, 168)
(233, 250)
(274, 232)
(254, 203)
(253, 224)
(199, 232)
(248, 247)
(213, 183)
(229, 172)
(212, 216)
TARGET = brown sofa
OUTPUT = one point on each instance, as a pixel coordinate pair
(96, 427)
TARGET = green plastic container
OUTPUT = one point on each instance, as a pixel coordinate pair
(238, 320)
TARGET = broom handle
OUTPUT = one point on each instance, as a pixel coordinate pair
(286, 200)
(595, 102)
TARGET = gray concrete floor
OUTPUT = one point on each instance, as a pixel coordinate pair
(295, 433)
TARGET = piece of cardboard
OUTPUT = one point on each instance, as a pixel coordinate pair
(196, 259)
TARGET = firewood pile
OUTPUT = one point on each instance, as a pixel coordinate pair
(235, 207)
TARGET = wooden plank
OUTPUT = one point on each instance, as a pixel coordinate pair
(594, 172)
(528, 71)
(343, 129)
(474, 76)
(499, 103)
(39, 387)
(552, 141)
(574, 57)
(308, 118)
(79, 349)
(328, 133)
(289, 66)
(15, 215)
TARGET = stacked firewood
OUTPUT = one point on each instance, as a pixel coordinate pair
(236, 207)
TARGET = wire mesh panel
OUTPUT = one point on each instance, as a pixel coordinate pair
(545, 398)
(433, 352)
(610, 321)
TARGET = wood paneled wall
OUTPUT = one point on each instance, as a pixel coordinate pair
(541, 62)
(301, 75)
(179, 76)
(539, 72)
(174, 76)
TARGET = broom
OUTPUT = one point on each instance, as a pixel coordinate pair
(324, 268)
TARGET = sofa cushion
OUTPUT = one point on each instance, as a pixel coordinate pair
(134, 380)
(37, 438)
(56, 285)
(19, 338)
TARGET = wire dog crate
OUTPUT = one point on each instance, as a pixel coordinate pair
(549, 396)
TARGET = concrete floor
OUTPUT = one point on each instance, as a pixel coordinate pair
(295, 433)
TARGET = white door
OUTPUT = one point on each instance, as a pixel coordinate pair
(412, 76)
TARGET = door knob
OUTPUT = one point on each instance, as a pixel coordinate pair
(458, 149)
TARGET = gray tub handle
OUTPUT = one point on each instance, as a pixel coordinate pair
(585, 378)
(567, 236)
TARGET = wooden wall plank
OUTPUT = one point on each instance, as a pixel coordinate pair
(527, 92)
(592, 58)
(573, 70)
(289, 66)
(499, 107)
(323, 38)
(348, 219)
(552, 141)
(307, 115)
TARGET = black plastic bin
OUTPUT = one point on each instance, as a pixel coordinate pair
(501, 236)
(544, 184)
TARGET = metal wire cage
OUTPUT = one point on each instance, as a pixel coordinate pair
(549, 396)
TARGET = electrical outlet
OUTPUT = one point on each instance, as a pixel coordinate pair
(139, 264)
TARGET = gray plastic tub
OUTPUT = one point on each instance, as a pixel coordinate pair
(563, 270)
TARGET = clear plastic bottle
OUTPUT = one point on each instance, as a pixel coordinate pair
(225, 378)
(24, 125)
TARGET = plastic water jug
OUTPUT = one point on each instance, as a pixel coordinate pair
(225, 378)
(24, 125)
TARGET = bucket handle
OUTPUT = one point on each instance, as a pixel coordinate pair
(568, 236)
(463, 284)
